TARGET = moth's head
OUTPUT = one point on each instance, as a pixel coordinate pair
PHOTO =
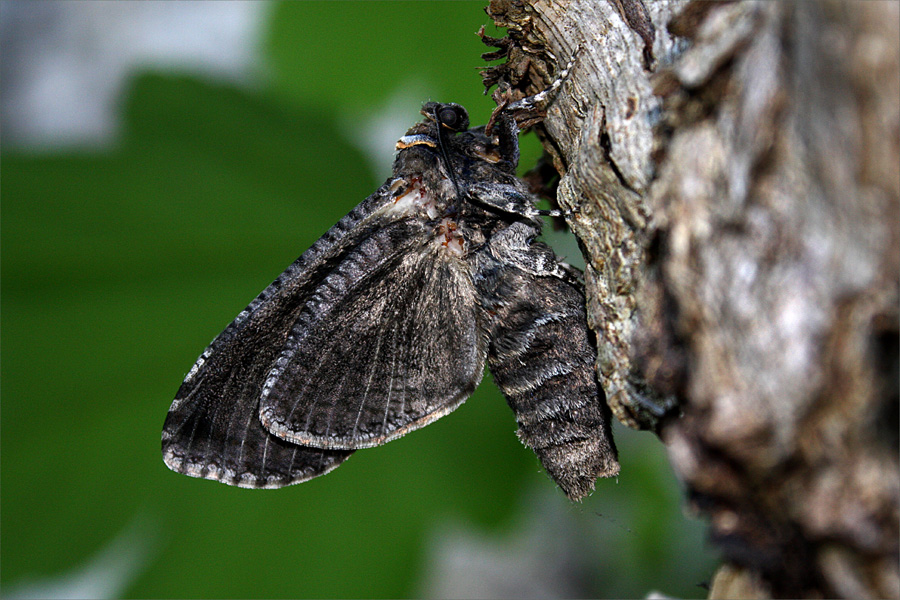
(449, 122)
(450, 117)
(447, 119)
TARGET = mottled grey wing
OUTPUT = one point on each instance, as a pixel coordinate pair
(374, 357)
(212, 429)
(224, 441)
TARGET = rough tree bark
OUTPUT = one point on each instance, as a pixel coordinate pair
(732, 171)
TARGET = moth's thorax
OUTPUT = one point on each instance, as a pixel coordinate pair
(451, 236)
(452, 232)
(411, 197)
(434, 169)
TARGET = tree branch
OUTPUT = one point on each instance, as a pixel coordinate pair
(733, 174)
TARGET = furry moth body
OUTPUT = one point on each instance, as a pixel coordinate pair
(386, 323)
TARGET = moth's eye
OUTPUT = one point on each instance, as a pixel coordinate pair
(449, 117)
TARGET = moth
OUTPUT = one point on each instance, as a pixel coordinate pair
(386, 323)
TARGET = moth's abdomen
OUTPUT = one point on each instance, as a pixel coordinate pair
(542, 358)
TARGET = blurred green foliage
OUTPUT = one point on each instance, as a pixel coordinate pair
(118, 267)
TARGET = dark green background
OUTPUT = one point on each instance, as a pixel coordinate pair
(118, 268)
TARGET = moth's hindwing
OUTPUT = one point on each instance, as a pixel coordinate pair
(388, 342)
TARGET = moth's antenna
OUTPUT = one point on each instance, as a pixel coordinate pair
(444, 153)
(533, 101)
(501, 96)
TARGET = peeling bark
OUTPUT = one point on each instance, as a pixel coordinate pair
(732, 171)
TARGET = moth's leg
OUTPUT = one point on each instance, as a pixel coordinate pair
(515, 247)
(503, 125)
(574, 273)
(506, 198)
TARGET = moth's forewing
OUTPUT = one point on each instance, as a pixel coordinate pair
(389, 342)
(212, 429)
